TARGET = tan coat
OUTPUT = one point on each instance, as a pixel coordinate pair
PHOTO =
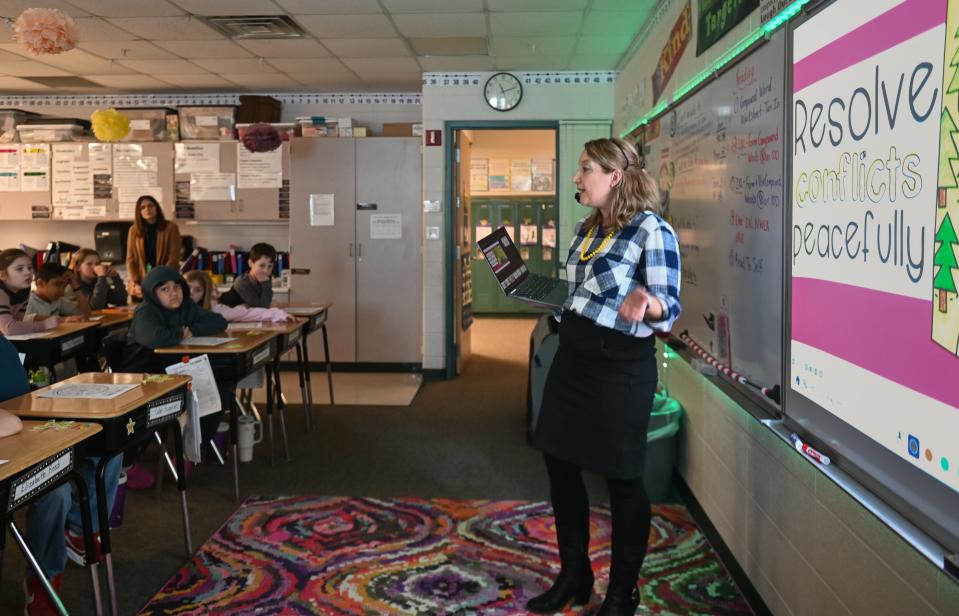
(167, 253)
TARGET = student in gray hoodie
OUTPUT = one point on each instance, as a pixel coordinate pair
(166, 317)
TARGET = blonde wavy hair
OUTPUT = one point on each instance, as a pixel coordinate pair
(637, 191)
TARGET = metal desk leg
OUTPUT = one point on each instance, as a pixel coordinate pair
(329, 365)
(88, 541)
(104, 518)
(268, 373)
(235, 448)
(32, 561)
(181, 486)
(281, 407)
(300, 369)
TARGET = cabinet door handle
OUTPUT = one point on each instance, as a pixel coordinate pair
(349, 251)
(359, 250)
(366, 206)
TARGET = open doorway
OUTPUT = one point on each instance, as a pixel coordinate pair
(500, 175)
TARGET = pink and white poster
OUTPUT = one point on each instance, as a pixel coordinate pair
(875, 330)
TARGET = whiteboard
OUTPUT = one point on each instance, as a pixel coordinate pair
(718, 158)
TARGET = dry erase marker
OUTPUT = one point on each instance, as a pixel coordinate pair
(816, 455)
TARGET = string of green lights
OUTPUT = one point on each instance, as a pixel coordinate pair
(734, 52)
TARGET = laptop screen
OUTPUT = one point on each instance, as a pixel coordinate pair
(502, 256)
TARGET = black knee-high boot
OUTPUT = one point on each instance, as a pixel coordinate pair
(632, 516)
(571, 511)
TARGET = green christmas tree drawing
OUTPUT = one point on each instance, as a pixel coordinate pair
(947, 154)
(945, 258)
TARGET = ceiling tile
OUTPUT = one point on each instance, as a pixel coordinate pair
(527, 63)
(229, 7)
(322, 66)
(347, 26)
(330, 7)
(513, 6)
(441, 25)
(338, 83)
(244, 66)
(432, 6)
(381, 65)
(127, 50)
(129, 82)
(13, 85)
(13, 8)
(200, 81)
(95, 29)
(611, 45)
(83, 63)
(367, 48)
(156, 67)
(612, 23)
(639, 6)
(167, 28)
(263, 81)
(595, 62)
(297, 48)
(204, 49)
(452, 46)
(455, 64)
(29, 68)
(535, 24)
(128, 8)
(534, 46)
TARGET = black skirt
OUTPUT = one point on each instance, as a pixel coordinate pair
(598, 398)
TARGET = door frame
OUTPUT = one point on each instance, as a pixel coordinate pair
(448, 192)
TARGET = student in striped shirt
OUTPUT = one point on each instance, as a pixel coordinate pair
(624, 273)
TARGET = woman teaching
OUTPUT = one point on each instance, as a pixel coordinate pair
(153, 240)
(624, 274)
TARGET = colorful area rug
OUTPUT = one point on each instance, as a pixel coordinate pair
(309, 555)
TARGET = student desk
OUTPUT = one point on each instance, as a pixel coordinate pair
(232, 362)
(39, 458)
(315, 319)
(112, 320)
(53, 346)
(288, 336)
(126, 421)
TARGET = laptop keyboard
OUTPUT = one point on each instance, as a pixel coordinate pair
(535, 287)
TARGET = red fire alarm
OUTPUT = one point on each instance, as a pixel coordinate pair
(434, 137)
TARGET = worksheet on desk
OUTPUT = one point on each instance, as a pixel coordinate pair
(301, 311)
(204, 385)
(205, 341)
(96, 391)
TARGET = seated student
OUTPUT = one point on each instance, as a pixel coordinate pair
(50, 514)
(254, 288)
(48, 299)
(165, 318)
(98, 281)
(16, 274)
(204, 293)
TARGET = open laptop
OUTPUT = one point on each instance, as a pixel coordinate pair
(515, 278)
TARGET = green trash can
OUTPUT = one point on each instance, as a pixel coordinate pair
(664, 423)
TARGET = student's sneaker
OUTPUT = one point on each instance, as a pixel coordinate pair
(35, 599)
(77, 551)
(139, 477)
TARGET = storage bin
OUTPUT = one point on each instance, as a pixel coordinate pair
(49, 132)
(664, 423)
(255, 108)
(147, 124)
(9, 120)
(207, 122)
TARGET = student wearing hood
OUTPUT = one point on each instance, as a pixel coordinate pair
(165, 318)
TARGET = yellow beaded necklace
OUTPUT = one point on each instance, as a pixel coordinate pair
(589, 236)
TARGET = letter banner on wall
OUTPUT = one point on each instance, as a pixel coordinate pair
(875, 215)
(717, 17)
(673, 51)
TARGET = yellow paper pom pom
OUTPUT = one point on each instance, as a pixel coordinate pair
(110, 125)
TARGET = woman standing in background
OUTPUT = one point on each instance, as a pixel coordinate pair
(152, 241)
